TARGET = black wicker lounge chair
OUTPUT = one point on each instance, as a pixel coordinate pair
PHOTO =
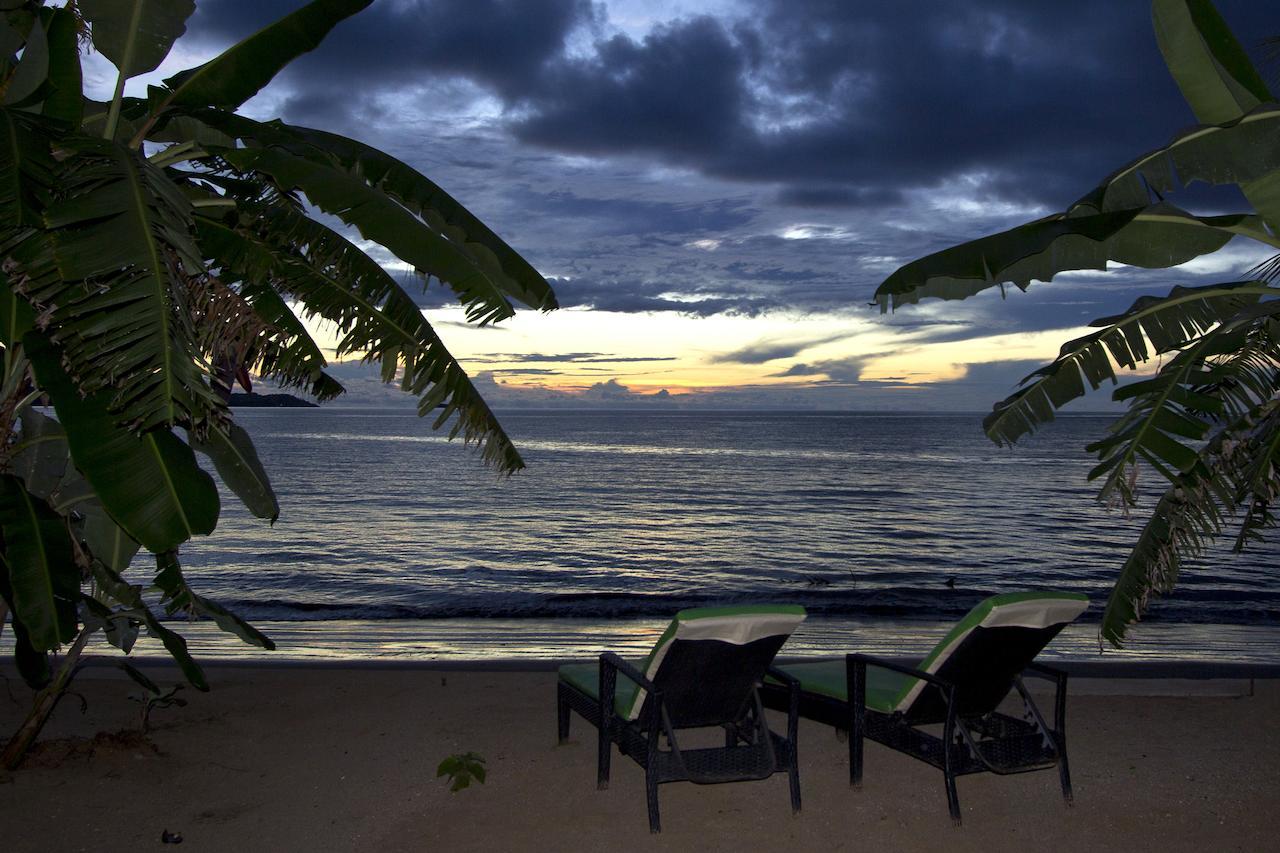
(959, 685)
(703, 672)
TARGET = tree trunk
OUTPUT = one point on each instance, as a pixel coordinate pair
(4, 611)
(46, 701)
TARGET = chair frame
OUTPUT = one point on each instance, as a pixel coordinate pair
(752, 750)
(979, 741)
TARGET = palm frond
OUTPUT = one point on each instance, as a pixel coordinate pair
(28, 172)
(381, 219)
(331, 278)
(1239, 151)
(1192, 511)
(1152, 237)
(1168, 323)
(515, 276)
(114, 288)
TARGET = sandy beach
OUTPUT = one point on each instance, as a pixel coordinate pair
(311, 758)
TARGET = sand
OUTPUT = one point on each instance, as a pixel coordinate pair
(320, 759)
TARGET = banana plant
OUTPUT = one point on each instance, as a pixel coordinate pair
(154, 251)
(1207, 424)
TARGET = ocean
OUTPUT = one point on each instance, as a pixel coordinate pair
(394, 543)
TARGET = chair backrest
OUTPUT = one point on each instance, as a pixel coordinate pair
(987, 649)
(709, 659)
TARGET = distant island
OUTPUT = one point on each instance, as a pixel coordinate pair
(272, 401)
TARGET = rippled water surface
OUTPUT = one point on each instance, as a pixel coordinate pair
(624, 515)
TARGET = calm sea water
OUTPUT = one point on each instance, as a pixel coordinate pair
(634, 515)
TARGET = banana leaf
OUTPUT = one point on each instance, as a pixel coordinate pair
(419, 195)
(43, 575)
(382, 220)
(136, 35)
(180, 598)
(117, 289)
(1159, 235)
(240, 72)
(130, 595)
(1168, 323)
(64, 100)
(1216, 78)
(40, 457)
(149, 483)
(28, 82)
(236, 461)
(338, 282)
(32, 663)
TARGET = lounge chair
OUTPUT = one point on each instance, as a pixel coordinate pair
(703, 672)
(960, 685)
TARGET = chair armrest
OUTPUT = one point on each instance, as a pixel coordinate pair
(613, 661)
(897, 667)
(785, 677)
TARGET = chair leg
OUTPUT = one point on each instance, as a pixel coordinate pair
(651, 795)
(1064, 772)
(855, 757)
(793, 776)
(856, 675)
(953, 799)
(562, 716)
(604, 751)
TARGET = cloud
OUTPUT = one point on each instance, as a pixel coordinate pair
(620, 216)
(501, 45)
(610, 390)
(771, 157)
(769, 350)
(570, 357)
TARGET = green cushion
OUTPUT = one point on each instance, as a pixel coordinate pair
(586, 678)
(828, 678)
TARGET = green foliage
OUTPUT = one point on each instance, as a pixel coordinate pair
(1207, 423)
(152, 250)
(461, 769)
(43, 581)
(152, 696)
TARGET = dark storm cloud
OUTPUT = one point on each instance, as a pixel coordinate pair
(838, 197)
(849, 103)
(500, 44)
(863, 122)
(679, 93)
(838, 104)
(743, 271)
(619, 216)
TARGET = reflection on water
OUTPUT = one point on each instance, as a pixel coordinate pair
(454, 640)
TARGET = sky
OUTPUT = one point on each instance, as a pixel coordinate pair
(716, 188)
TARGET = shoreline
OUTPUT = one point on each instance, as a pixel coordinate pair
(474, 642)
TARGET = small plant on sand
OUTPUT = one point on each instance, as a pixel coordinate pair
(461, 769)
(1206, 423)
(152, 696)
(156, 250)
